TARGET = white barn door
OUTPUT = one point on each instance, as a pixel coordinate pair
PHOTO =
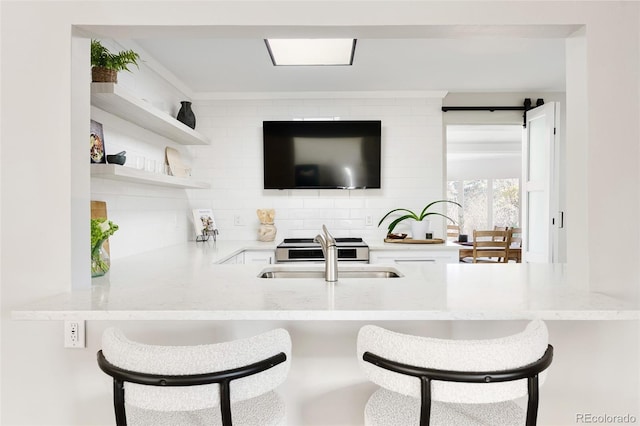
(539, 186)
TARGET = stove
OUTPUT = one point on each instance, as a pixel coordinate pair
(306, 250)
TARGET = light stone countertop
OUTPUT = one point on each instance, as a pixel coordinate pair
(184, 282)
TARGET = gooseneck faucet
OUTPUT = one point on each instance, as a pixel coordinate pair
(330, 251)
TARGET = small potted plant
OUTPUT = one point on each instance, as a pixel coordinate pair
(419, 224)
(105, 65)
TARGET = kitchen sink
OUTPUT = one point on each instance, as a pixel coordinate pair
(318, 272)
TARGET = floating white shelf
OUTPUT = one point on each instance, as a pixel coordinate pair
(118, 101)
(128, 174)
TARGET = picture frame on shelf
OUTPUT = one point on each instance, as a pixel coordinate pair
(97, 153)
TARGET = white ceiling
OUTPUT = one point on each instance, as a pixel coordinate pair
(462, 65)
(455, 59)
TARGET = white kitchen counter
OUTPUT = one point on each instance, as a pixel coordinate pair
(184, 283)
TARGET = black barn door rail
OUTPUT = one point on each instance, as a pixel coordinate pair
(527, 105)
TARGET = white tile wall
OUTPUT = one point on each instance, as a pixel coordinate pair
(412, 172)
(150, 217)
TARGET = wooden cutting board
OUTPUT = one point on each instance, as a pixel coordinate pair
(174, 160)
(412, 241)
(98, 210)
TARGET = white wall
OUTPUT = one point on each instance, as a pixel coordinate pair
(36, 101)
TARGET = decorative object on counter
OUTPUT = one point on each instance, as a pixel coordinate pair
(419, 228)
(186, 115)
(267, 230)
(119, 158)
(101, 230)
(176, 166)
(463, 238)
(419, 224)
(105, 65)
(412, 241)
(396, 236)
(96, 143)
(204, 225)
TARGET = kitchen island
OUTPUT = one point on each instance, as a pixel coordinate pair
(187, 282)
(185, 295)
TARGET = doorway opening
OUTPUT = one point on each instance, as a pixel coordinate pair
(484, 169)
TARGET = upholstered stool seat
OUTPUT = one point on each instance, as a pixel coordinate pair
(264, 410)
(387, 408)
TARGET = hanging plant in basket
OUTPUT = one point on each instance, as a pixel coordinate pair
(105, 65)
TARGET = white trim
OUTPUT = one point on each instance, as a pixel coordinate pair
(206, 96)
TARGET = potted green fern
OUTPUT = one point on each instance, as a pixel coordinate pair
(419, 223)
(105, 65)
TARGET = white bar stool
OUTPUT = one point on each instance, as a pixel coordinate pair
(197, 385)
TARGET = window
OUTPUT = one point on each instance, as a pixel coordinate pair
(485, 203)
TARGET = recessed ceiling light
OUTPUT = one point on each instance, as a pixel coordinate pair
(315, 51)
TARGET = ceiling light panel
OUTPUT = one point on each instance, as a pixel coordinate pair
(314, 51)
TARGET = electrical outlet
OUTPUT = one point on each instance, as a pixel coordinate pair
(74, 334)
(237, 220)
(368, 220)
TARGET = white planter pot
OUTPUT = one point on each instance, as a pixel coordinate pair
(419, 229)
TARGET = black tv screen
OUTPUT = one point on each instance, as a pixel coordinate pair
(322, 154)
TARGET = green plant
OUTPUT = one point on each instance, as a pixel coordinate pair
(418, 217)
(101, 229)
(102, 57)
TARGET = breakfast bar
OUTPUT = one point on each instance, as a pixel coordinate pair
(187, 282)
(194, 292)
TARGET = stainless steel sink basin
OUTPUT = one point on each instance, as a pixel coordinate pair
(318, 272)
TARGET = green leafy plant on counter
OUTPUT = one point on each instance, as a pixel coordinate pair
(101, 229)
(417, 217)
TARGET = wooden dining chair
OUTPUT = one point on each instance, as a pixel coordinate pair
(489, 244)
(516, 242)
(499, 228)
(453, 231)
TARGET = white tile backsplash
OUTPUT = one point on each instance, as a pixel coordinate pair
(152, 217)
(412, 164)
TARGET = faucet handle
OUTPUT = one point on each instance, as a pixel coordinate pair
(328, 236)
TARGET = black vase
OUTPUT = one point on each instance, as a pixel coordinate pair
(186, 115)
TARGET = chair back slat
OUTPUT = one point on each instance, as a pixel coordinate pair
(489, 244)
(453, 231)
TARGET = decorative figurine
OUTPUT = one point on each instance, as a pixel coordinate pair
(267, 230)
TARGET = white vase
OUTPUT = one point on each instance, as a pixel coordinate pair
(419, 229)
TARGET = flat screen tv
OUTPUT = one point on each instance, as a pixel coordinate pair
(322, 154)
